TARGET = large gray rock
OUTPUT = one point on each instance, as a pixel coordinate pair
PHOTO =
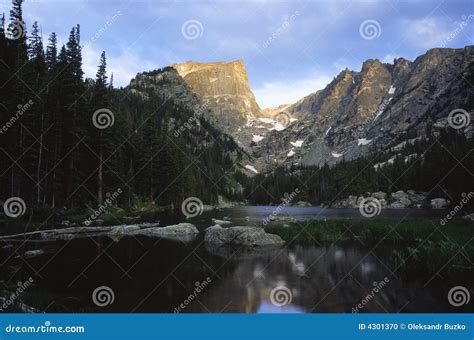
(303, 204)
(350, 202)
(417, 198)
(380, 195)
(439, 203)
(34, 253)
(184, 232)
(469, 217)
(222, 223)
(216, 236)
(397, 200)
(401, 200)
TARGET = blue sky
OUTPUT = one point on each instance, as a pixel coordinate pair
(290, 48)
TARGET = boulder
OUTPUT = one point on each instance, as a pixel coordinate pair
(184, 232)
(439, 203)
(33, 253)
(245, 236)
(401, 200)
(303, 204)
(119, 231)
(417, 198)
(65, 223)
(380, 195)
(397, 205)
(469, 217)
(350, 202)
(222, 223)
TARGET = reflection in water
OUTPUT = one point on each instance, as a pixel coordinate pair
(156, 275)
(330, 279)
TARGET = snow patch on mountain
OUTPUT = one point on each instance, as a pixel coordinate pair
(363, 141)
(278, 127)
(267, 120)
(251, 168)
(328, 131)
(297, 144)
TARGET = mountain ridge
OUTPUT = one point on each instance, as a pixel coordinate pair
(358, 112)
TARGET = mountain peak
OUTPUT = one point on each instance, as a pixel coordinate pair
(192, 66)
(370, 63)
(223, 87)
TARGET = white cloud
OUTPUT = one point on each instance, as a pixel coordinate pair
(124, 66)
(427, 32)
(279, 92)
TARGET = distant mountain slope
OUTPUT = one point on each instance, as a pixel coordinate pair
(182, 119)
(378, 107)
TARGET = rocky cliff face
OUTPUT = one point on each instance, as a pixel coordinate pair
(377, 108)
(223, 88)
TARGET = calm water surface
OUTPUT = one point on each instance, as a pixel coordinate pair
(156, 275)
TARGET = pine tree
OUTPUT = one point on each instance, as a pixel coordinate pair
(52, 52)
(101, 137)
(36, 53)
(17, 30)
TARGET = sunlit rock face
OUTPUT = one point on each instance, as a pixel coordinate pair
(384, 104)
(224, 89)
(223, 85)
(358, 112)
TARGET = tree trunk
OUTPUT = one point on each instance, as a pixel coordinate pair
(100, 180)
(38, 172)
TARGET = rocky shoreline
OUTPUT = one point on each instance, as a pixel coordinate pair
(397, 200)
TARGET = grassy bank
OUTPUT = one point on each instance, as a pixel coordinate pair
(416, 244)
